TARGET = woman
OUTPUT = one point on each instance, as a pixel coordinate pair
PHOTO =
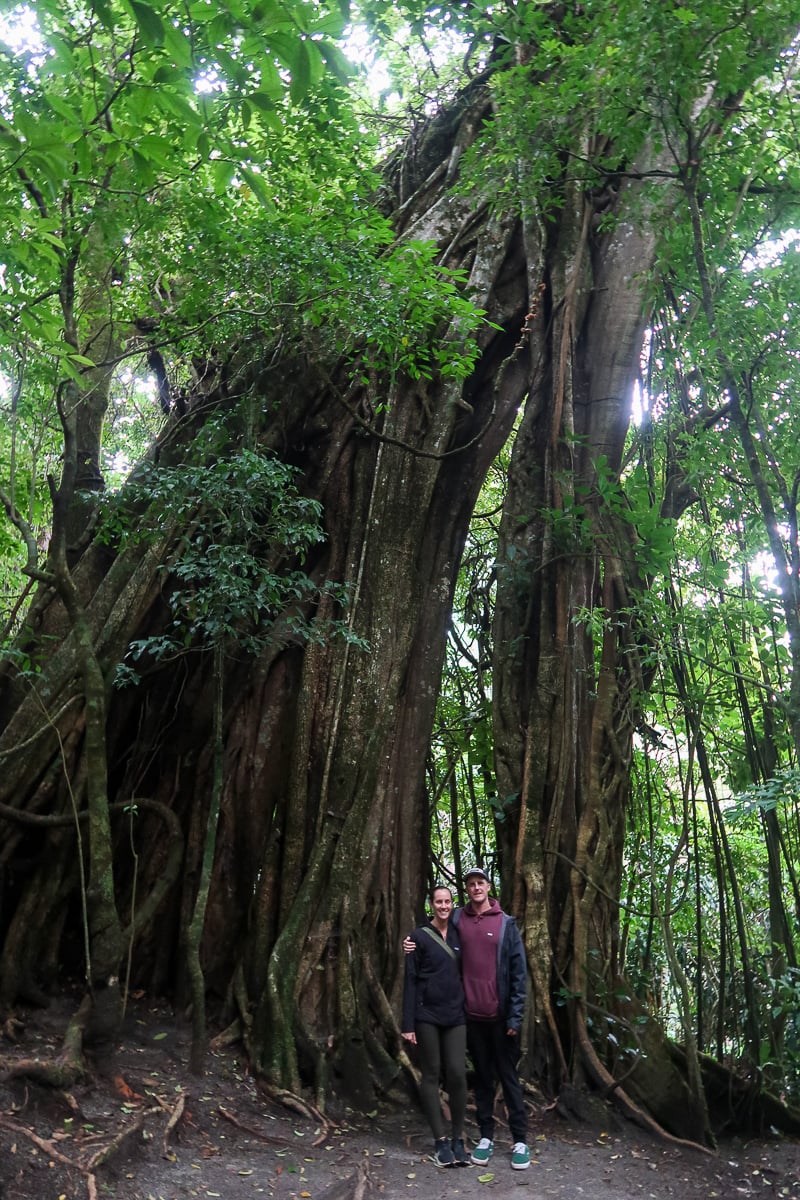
(433, 1019)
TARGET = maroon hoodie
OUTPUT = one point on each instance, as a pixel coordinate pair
(480, 935)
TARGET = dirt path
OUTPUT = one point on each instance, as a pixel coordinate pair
(150, 1131)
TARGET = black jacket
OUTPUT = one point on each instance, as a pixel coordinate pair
(432, 991)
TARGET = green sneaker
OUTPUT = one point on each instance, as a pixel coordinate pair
(520, 1157)
(482, 1152)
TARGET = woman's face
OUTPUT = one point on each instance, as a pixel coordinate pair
(442, 903)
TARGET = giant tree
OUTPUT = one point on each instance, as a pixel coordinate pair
(503, 258)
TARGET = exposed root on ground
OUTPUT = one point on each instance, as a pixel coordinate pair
(353, 1188)
(227, 1037)
(294, 1102)
(606, 1080)
(174, 1118)
(11, 1028)
(121, 1141)
(321, 1137)
(68, 1068)
(86, 1169)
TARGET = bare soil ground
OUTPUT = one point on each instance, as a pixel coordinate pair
(144, 1129)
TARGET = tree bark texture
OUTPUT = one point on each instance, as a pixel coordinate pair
(566, 646)
(323, 828)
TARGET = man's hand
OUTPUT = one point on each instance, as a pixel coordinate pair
(410, 1037)
(511, 1033)
(409, 946)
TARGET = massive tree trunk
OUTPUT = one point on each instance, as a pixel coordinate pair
(565, 641)
(323, 827)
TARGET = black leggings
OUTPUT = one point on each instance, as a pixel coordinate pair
(443, 1046)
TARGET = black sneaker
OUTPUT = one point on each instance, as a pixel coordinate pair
(459, 1153)
(442, 1154)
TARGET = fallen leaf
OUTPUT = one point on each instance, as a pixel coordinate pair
(485, 1178)
(124, 1090)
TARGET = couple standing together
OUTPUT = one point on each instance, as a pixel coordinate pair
(465, 988)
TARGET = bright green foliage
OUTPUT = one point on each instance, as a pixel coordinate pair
(589, 84)
(717, 773)
(235, 577)
(117, 102)
(185, 184)
(121, 127)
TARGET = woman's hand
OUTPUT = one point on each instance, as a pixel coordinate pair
(410, 1037)
(408, 947)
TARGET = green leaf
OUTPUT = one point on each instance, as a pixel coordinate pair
(63, 109)
(180, 107)
(143, 169)
(262, 101)
(335, 60)
(270, 82)
(301, 73)
(103, 11)
(149, 22)
(258, 186)
(332, 24)
(178, 44)
(223, 171)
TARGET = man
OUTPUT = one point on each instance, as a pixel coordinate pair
(494, 977)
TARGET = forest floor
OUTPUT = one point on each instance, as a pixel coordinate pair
(146, 1129)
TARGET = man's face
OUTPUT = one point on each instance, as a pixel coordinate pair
(478, 890)
(442, 903)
